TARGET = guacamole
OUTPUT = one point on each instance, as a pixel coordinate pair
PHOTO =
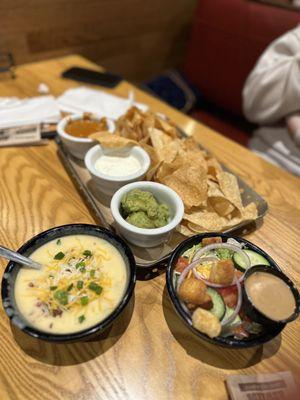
(140, 208)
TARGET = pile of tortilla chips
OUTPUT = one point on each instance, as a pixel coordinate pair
(210, 195)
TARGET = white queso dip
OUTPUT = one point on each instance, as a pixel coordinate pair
(117, 165)
(83, 279)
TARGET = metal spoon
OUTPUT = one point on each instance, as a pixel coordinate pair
(17, 257)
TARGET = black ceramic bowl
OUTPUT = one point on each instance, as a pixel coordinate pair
(253, 313)
(254, 340)
(11, 271)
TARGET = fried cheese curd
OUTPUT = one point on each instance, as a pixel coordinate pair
(211, 240)
(222, 272)
(194, 293)
(206, 322)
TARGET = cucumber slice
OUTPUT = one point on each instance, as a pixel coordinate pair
(237, 320)
(219, 307)
(229, 311)
(176, 276)
(255, 259)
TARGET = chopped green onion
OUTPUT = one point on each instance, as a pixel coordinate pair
(70, 287)
(81, 319)
(79, 285)
(95, 287)
(59, 256)
(61, 296)
(82, 269)
(80, 264)
(84, 300)
(58, 242)
(99, 290)
(92, 273)
(87, 253)
(53, 287)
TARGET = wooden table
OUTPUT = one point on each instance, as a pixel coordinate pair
(150, 355)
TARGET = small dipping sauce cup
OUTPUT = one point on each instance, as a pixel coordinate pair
(105, 174)
(270, 297)
(74, 130)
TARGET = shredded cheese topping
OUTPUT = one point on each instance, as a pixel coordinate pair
(72, 280)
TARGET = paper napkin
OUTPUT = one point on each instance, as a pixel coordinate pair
(82, 99)
(20, 112)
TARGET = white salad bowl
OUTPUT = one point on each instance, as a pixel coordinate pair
(148, 237)
(79, 146)
(110, 184)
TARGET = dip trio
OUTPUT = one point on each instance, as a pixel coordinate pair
(225, 289)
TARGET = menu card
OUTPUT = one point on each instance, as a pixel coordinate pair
(276, 386)
(20, 135)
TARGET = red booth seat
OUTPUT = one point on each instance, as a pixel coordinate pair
(227, 38)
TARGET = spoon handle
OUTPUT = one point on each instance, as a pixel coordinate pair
(13, 256)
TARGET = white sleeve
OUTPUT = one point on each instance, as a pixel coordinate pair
(272, 90)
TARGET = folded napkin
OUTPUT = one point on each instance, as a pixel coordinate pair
(96, 101)
(18, 112)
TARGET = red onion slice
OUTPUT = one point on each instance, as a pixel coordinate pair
(213, 246)
(229, 246)
(241, 245)
(238, 306)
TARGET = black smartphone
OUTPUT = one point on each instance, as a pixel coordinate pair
(105, 79)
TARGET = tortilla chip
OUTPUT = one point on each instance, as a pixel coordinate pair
(166, 126)
(145, 140)
(218, 201)
(169, 152)
(152, 171)
(222, 206)
(197, 228)
(230, 188)
(190, 183)
(193, 158)
(184, 230)
(112, 141)
(190, 145)
(165, 170)
(250, 212)
(213, 167)
(152, 154)
(209, 221)
(213, 189)
(159, 139)
(204, 221)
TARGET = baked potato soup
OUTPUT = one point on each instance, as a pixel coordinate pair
(82, 281)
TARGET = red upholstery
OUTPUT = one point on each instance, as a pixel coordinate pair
(223, 125)
(227, 38)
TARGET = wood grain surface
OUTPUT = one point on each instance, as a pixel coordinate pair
(149, 354)
(135, 38)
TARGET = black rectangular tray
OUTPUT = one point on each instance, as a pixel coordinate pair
(155, 258)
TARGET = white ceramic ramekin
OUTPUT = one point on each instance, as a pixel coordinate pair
(78, 146)
(148, 237)
(110, 184)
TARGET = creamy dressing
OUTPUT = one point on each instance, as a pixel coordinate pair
(270, 295)
(32, 291)
(117, 166)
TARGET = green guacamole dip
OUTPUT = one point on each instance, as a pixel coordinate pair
(140, 208)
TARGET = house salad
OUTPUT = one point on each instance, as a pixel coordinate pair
(208, 279)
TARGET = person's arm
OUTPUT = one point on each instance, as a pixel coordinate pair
(293, 125)
(272, 90)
